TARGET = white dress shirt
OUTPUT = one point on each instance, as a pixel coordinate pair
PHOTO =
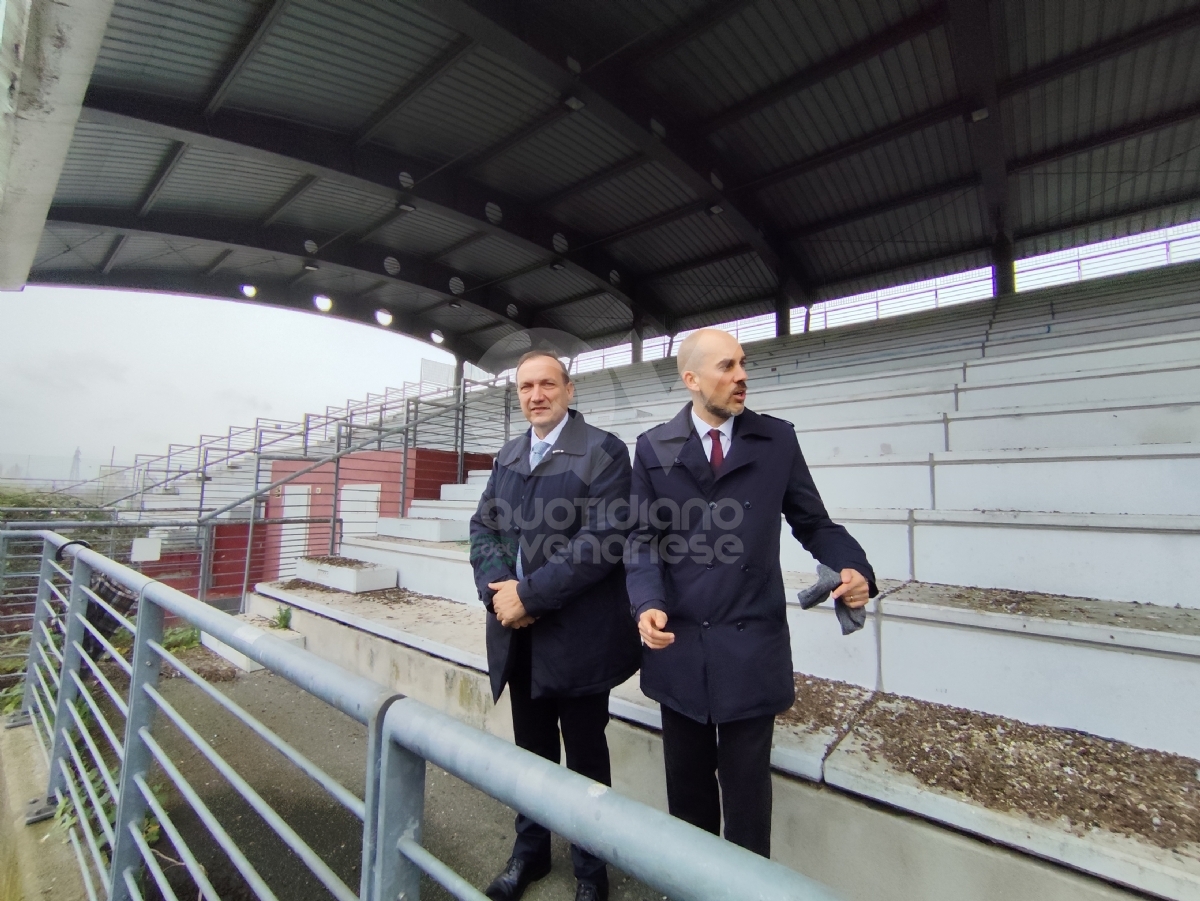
(703, 428)
(551, 438)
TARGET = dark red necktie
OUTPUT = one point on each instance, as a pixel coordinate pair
(718, 453)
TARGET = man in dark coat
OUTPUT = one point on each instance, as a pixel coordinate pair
(548, 563)
(703, 563)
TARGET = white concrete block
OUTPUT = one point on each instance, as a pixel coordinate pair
(472, 491)
(434, 571)
(1111, 691)
(1163, 421)
(1112, 857)
(353, 579)
(820, 649)
(877, 483)
(237, 658)
(907, 438)
(1136, 481)
(1153, 559)
(425, 529)
(884, 535)
(478, 476)
(459, 510)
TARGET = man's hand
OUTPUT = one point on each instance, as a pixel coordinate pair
(854, 590)
(650, 626)
(507, 604)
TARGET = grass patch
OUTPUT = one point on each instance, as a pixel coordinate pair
(282, 618)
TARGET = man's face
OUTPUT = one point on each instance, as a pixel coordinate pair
(718, 380)
(544, 394)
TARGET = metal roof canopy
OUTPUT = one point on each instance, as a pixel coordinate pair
(602, 167)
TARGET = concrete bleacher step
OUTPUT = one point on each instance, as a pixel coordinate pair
(455, 510)
(1112, 557)
(471, 491)
(439, 569)
(424, 529)
(1156, 480)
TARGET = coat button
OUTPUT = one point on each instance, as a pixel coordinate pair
(676, 459)
(741, 627)
(705, 624)
(712, 505)
(746, 505)
(710, 566)
(745, 568)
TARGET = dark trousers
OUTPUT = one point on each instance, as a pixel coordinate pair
(715, 766)
(536, 726)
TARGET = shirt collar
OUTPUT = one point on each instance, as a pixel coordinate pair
(703, 428)
(552, 437)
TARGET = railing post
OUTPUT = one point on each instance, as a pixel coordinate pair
(401, 809)
(206, 560)
(131, 805)
(81, 576)
(41, 615)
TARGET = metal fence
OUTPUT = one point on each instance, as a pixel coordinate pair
(92, 695)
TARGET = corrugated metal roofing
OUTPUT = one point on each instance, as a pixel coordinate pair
(634, 197)
(896, 205)
(334, 63)
(208, 181)
(64, 248)
(330, 208)
(422, 232)
(175, 48)
(476, 104)
(108, 167)
(557, 157)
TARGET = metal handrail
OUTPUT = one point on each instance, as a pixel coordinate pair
(403, 734)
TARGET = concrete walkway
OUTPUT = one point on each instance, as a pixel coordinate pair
(463, 827)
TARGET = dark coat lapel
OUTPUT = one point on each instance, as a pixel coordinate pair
(676, 443)
(750, 439)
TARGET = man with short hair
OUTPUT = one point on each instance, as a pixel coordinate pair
(706, 588)
(547, 560)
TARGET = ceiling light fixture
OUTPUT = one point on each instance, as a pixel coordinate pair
(436, 336)
(323, 302)
(455, 305)
(406, 207)
(557, 267)
(716, 209)
(311, 265)
(383, 317)
(249, 291)
(574, 104)
(980, 114)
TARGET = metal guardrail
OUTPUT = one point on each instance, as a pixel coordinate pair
(97, 727)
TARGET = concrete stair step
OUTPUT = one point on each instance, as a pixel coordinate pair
(478, 476)
(425, 529)
(456, 510)
(471, 491)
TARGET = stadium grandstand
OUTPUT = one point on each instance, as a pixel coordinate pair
(959, 243)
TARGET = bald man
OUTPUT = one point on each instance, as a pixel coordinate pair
(705, 585)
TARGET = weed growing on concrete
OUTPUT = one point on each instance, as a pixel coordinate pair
(282, 618)
(10, 698)
(180, 638)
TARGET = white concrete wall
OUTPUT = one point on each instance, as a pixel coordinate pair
(1151, 559)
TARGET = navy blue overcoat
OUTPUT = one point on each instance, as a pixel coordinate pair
(558, 518)
(706, 550)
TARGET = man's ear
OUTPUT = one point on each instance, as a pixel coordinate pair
(689, 380)
(570, 391)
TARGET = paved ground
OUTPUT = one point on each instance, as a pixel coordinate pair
(463, 827)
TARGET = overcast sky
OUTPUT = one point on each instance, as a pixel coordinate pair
(103, 369)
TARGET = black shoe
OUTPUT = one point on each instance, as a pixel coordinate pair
(590, 891)
(518, 874)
